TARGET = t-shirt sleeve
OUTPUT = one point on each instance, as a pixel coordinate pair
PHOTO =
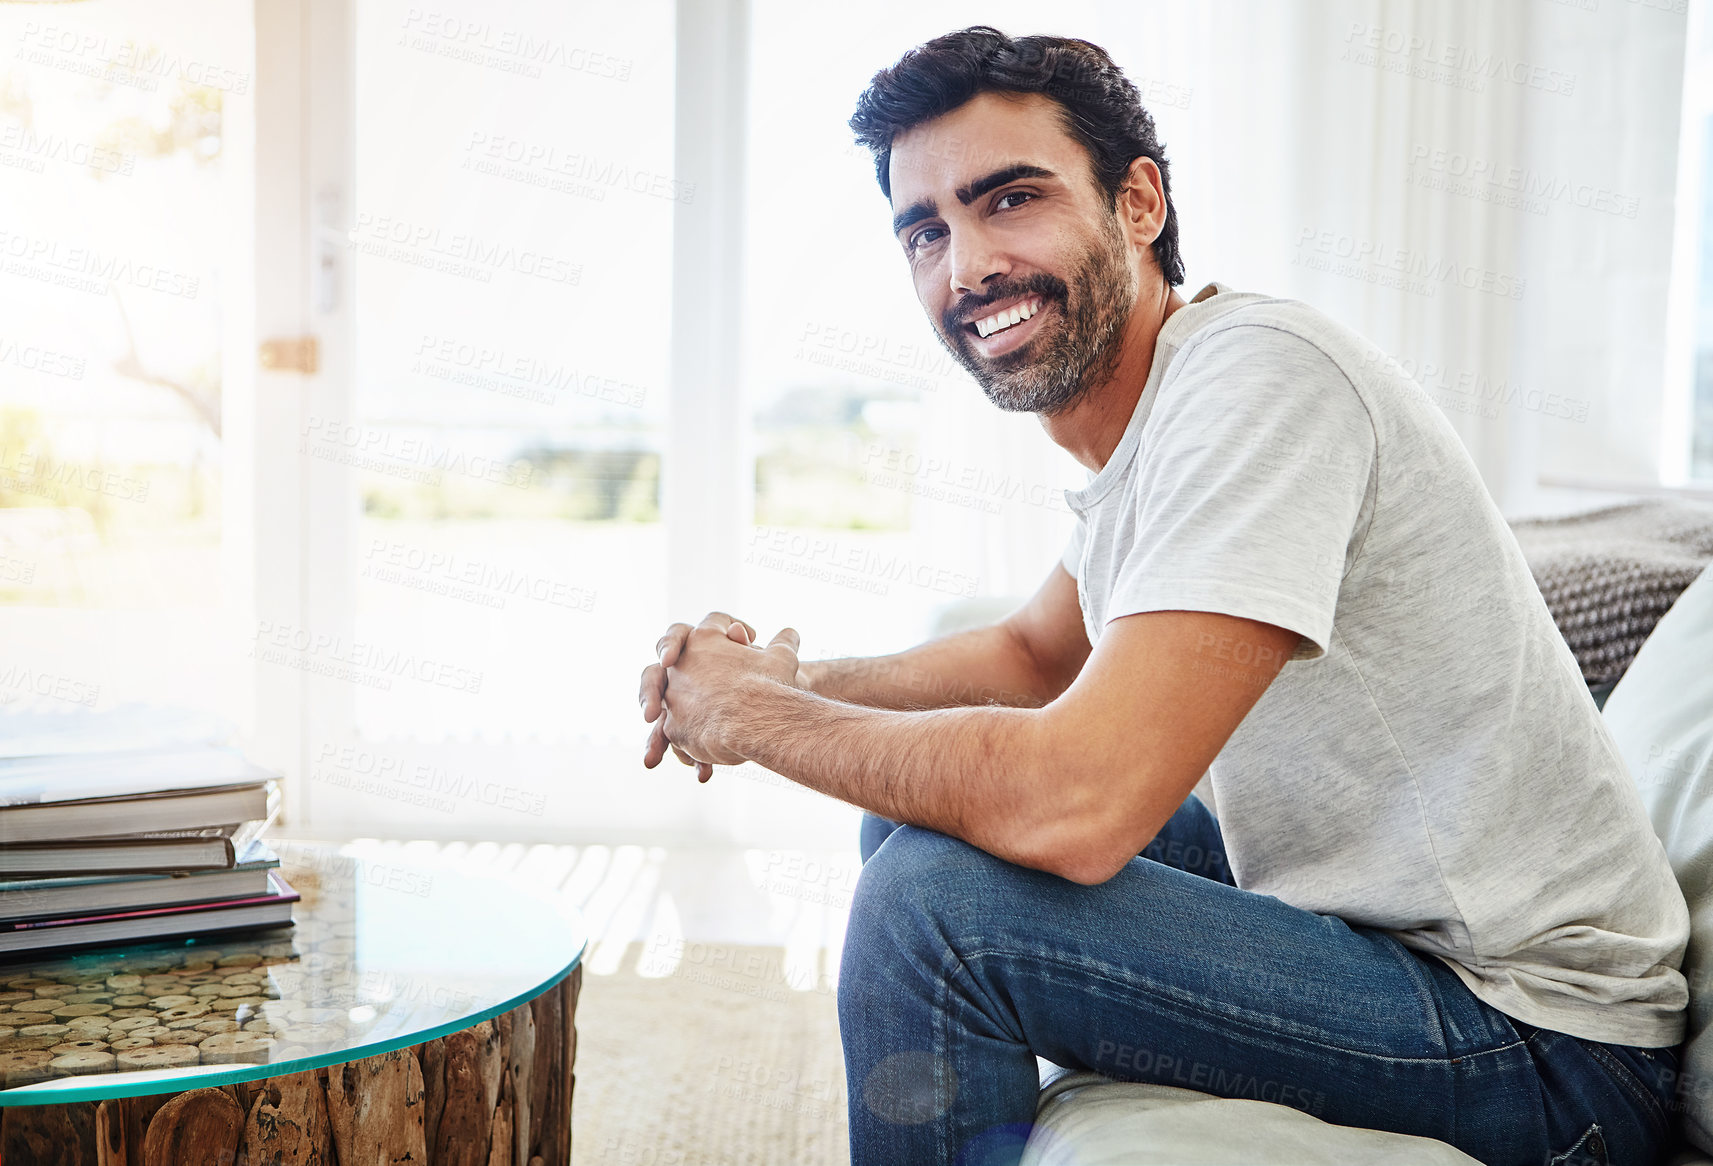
(1253, 476)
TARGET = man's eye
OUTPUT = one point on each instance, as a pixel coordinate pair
(1021, 195)
(925, 236)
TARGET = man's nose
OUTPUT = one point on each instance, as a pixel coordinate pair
(974, 261)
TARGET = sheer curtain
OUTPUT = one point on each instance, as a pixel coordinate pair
(1602, 263)
(1483, 190)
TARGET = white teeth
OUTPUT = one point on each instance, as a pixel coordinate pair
(1005, 319)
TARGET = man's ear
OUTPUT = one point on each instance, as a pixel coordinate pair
(1142, 202)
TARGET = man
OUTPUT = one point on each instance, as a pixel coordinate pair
(1431, 902)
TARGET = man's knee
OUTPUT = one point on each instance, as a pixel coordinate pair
(900, 905)
(873, 831)
(906, 854)
(901, 878)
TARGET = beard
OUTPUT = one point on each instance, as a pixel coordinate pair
(1069, 355)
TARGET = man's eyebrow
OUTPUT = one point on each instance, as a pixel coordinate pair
(926, 208)
(914, 213)
(998, 178)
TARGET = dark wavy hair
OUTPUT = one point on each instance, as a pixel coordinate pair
(1102, 109)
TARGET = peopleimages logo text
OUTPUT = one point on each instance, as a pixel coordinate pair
(1427, 271)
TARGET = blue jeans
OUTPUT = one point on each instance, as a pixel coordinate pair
(960, 968)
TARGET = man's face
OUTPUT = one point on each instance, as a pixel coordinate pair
(997, 211)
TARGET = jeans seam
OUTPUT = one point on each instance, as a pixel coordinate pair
(950, 963)
(1627, 1082)
(1424, 991)
(1431, 1004)
(1208, 1015)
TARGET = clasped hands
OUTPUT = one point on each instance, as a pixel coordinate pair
(703, 682)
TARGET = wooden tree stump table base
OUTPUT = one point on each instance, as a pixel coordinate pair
(495, 1092)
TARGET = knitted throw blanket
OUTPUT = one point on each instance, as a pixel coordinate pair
(1608, 575)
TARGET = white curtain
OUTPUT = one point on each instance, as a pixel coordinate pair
(1598, 326)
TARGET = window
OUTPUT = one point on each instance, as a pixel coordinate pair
(887, 486)
(1691, 358)
(511, 250)
(120, 255)
(496, 453)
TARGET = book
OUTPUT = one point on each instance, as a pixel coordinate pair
(121, 772)
(128, 792)
(29, 898)
(158, 814)
(269, 910)
(216, 847)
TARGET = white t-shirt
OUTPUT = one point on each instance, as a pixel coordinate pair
(1430, 761)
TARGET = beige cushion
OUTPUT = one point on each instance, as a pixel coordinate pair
(1661, 716)
(1086, 1119)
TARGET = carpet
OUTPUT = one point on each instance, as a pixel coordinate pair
(720, 1063)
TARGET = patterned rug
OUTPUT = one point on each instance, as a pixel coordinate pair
(720, 1063)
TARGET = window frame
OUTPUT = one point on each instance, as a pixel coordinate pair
(1677, 428)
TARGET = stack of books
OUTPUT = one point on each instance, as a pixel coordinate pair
(104, 846)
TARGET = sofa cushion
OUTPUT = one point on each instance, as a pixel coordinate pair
(1661, 716)
(1084, 1119)
(1608, 575)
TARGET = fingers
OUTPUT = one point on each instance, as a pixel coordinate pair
(667, 730)
(652, 688)
(655, 750)
(719, 621)
(671, 645)
(667, 648)
(703, 769)
(652, 691)
(786, 639)
(658, 744)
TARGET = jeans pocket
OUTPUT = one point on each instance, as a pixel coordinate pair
(1638, 1072)
(1588, 1150)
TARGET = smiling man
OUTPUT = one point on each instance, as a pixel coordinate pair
(1431, 902)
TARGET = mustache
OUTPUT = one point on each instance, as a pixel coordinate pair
(969, 306)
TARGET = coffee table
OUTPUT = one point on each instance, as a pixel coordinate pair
(410, 1015)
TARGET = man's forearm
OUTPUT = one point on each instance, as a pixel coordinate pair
(981, 666)
(974, 773)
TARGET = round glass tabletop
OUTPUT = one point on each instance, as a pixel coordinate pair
(382, 956)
